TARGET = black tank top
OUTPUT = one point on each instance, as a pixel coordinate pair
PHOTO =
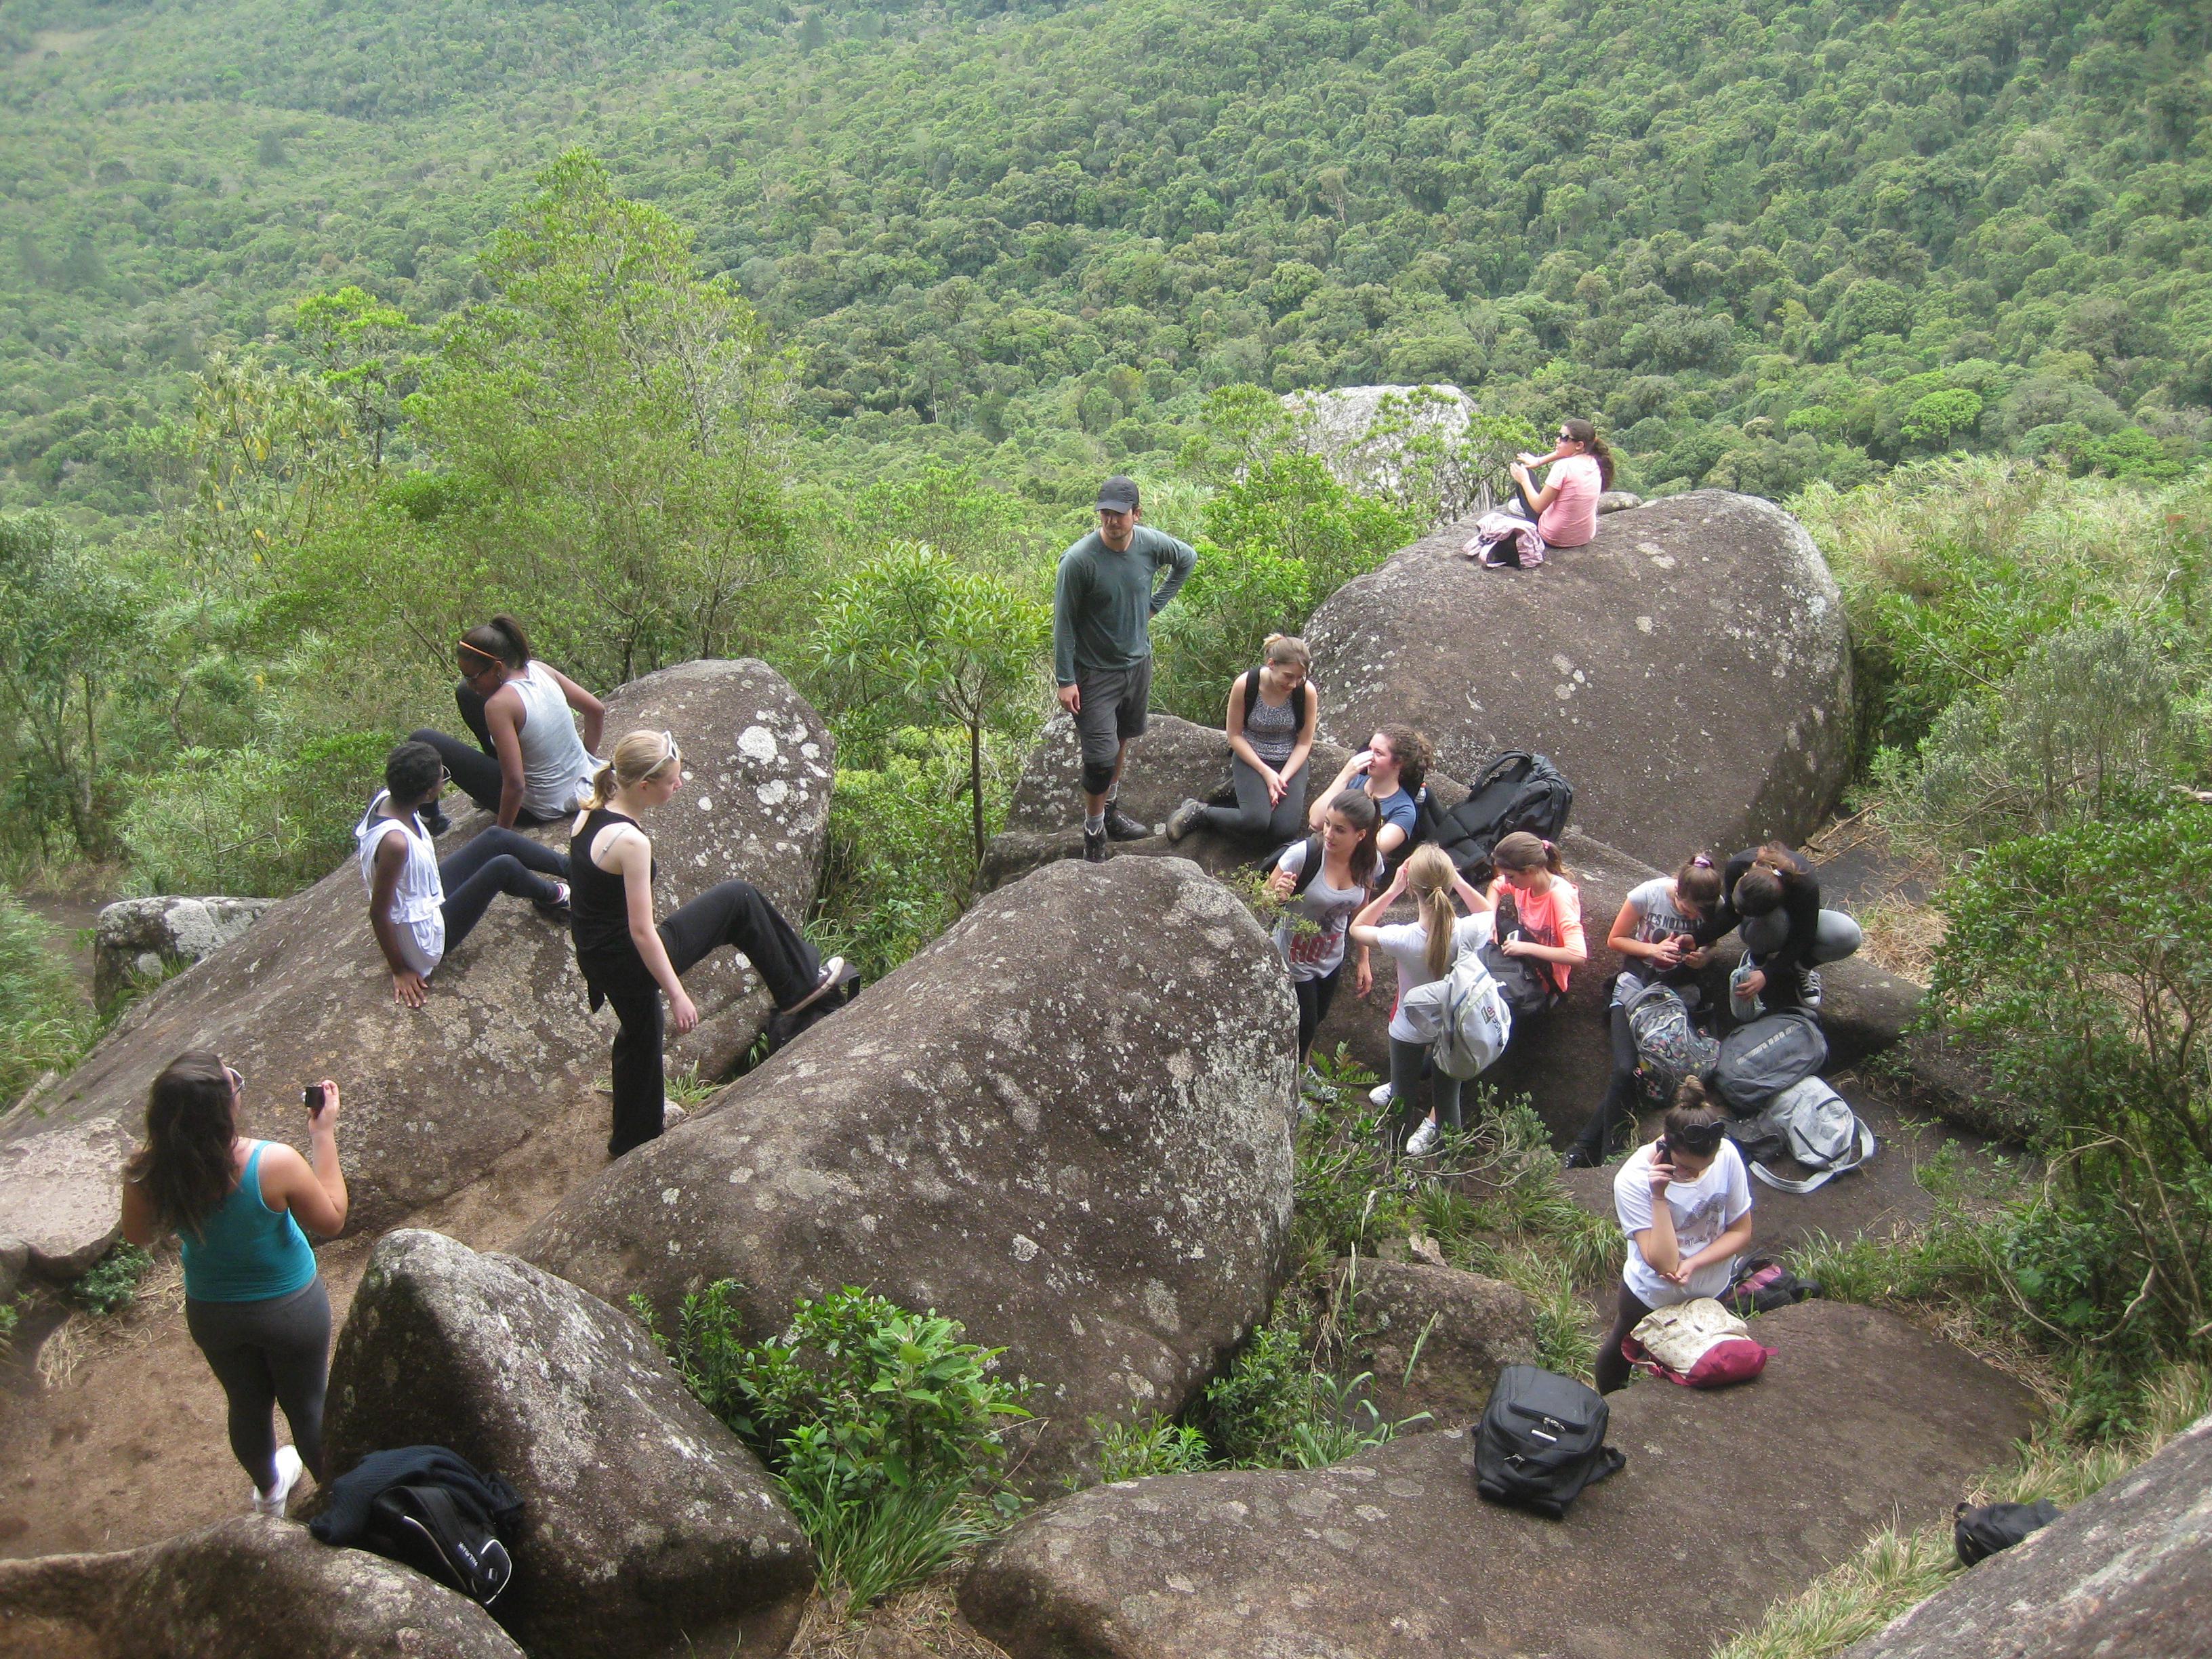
(598, 910)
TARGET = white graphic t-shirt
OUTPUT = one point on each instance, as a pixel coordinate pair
(1703, 1210)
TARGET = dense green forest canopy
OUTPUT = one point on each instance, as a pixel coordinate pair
(1762, 243)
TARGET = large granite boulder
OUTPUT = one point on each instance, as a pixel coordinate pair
(246, 1589)
(646, 1526)
(1730, 1500)
(1434, 1338)
(504, 1043)
(1689, 670)
(139, 941)
(2126, 1574)
(60, 1195)
(1400, 441)
(1066, 1123)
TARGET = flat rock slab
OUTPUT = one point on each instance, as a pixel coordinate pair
(2125, 1574)
(61, 1194)
(1066, 1123)
(244, 1588)
(647, 1526)
(504, 1043)
(1689, 670)
(1730, 1500)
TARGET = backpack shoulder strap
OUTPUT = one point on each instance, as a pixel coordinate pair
(1308, 866)
(1820, 1177)
(1251, 692)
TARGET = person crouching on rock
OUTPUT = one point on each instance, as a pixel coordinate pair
(1685, 1203)
(528, 765)
(254, 1301)
(1772, 893)
(1273, 710)
(1539, 911)
(629, 962)
(1391, 772)
(1322, 881)
(1657, 934)
(421, 907)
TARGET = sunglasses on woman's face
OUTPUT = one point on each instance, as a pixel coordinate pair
(237, 1081)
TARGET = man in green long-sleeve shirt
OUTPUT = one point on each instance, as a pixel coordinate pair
(1102, 647)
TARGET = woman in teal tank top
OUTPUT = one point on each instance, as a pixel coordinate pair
(253, 1300)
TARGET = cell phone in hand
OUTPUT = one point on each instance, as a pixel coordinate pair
(314, 1097)
(1659, 1152)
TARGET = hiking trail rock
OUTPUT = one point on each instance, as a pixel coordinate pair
(505, 1042)
(137, 941)
(249, 1587)
(1465, 1327)
(1689, 670)
(1066, 1123)
(2125, 1574)
(1730, 1500)
(646, 1526)
(60, 1194)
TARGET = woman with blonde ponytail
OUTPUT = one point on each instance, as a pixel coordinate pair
(1424, 950)
(630, 962)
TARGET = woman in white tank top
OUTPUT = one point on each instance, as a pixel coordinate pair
(529, 764)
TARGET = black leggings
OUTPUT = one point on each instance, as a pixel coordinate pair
(1618, 1106)
(474, 769)
(494, 862)
(265, 1354)
(1313, 997)
(1252, 818)
(1443, 1091)
(1613, 1368)
(734, 913)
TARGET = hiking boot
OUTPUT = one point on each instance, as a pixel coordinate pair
(1424, 1139)
(272, 1502)
(1185, 818)
(1094, 847)
(1121, 827)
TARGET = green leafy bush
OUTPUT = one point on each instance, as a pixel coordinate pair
(45, 1020)
(1151, 1445)
(111, 1282)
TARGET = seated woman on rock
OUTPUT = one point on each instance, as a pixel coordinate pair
(1655, 933)
(420, 905)
(528, 764)
(254, 1301)
(1772, 893)
(630, 962)
(1390, 771)
(1425, 949)
(1273, 712)
(1539, 911)
(1564, 510)
(1685, 1203)
(1319, 905)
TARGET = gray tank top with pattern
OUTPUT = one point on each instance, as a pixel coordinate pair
(1273, 731)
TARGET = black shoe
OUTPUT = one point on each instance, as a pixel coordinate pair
(435, 820)
(1094, 847)
(1121, 827)
(1577, 1158)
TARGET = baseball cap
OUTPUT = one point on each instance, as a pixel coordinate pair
(1119, 493)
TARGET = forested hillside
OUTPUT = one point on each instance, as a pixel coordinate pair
(1762, 244)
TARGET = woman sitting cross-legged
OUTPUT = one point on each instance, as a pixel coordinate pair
(630, 962)
(1273, 712)
(420, 905)
(528, 764)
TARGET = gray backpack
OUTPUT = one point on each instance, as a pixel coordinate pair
(1813, 1124)
(1464, 1014)
(1669, 1047)
(1758, 1061)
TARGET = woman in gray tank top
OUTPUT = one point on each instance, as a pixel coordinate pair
(528, 764)
(1273, 711)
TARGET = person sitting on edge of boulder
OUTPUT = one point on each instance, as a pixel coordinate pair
(629, 962)
(528, 764)
(421, 907)
(1540, 910)
(1102, 605)
(1657, 931)
(1685, 1203)
(1273, 712)
(1425, 949)
(1312, 933)
(1390, 771)
(254, 1300)
(1565, 508)
(1773, 895)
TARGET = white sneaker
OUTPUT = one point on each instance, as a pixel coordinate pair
(1379, 1095)
(1424, 1139)
(272, 1502)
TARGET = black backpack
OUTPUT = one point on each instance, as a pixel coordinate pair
(1307, 870)
(1516, 791)
(1541, 1441)
(441, 1531)
(1980, 1533)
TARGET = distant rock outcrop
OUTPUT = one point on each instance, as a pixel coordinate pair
(1689, 670)
(1730, 1500)
(1066, 1123)
(1369, 436)
(505, 1042)
(137, 942)
(647, 1526)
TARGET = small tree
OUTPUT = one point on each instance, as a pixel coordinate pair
(917, 626)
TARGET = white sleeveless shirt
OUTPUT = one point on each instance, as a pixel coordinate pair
(556, 768)
(419, 900)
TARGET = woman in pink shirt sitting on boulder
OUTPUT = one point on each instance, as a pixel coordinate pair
(1565, 508)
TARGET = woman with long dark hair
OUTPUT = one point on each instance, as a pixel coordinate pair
(254, 1300)
(528, 764)
(1322, 882)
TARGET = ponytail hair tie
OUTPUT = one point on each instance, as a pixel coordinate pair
(1702, 862)
(1549, 848)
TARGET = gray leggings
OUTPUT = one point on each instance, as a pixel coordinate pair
(1405, 1059)
(1252, 818)
(269, 1353)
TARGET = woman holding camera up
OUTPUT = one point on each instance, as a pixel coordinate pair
(254, 1300)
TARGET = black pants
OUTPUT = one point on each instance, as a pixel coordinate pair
(1313, 997)
(1253, 818)
(474, 769)
(267, 1355)
(1406, 1094)
(734, 913)
(1528, 501)
(1612, 1368)
(1618, 1106)
(490, 863)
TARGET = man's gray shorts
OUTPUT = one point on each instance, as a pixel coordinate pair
(1114, 702)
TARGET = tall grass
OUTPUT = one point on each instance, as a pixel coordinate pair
(45, 1020)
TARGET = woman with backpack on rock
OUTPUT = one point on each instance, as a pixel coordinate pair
(1772, 895)
(1564, 510)
(1322, 882)
(630, 962)
(1657, 931)
(254, 1299)
(528, 765)
(1685, 1203)
(1539, 915)
(1423, 950)
(1273, 710)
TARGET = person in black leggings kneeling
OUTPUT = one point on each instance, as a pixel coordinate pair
(631, 963)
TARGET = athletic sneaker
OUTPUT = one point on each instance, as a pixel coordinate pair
(557, 906)
(1121, 827)
(1185, 818)
(1424, 1139)
(1812, 990)
(272, 1502)
(1577, 1158)
(1094, 847)
(1379, 1095)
